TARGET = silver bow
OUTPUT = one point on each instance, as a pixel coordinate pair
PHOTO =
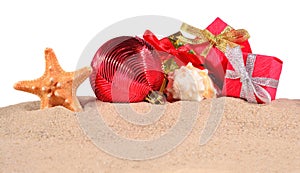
(251, 86)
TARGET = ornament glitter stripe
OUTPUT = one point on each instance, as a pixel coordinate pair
(251, 86)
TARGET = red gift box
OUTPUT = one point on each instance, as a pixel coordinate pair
(215, 60)
(250, 76)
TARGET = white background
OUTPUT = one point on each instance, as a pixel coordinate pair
(28, 27)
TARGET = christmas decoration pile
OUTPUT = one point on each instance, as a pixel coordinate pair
(217, 61)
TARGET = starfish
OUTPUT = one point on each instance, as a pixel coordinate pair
(56, 87)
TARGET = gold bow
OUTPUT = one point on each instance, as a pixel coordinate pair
(228, 36)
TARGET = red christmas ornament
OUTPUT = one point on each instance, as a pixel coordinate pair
(126, 69)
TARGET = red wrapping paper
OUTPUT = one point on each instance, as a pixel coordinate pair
(216, 61)
(264, 66)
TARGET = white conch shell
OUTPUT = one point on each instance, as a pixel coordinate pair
(192, 84)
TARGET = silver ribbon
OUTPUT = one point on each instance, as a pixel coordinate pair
(251, 86)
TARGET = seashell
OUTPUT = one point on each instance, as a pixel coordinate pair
(126, 69)
(190, 83)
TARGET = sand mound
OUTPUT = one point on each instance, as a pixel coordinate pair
(249, 138)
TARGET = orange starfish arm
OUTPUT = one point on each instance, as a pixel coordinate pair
(29, 86)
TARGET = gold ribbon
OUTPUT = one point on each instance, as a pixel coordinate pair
(228, 36)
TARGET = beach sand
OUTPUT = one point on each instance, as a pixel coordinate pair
(249, 138)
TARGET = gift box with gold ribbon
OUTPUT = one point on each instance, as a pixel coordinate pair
(250, 76)
(210, 44)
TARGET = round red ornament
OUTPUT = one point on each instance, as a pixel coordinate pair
(126, 69)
